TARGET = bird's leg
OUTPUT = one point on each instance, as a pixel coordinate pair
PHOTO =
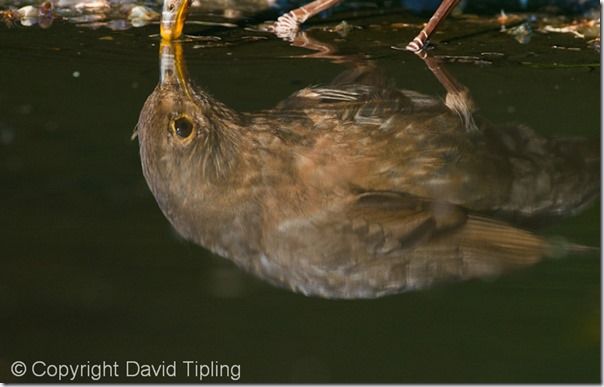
(322, 50)
(446, 79)
(458, 97)
(288, 24)
(419, 42)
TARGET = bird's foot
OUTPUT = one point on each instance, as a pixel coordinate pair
(286, 27)
(418, 43)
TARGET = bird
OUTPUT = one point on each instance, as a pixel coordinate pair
(174, 13)
(357, 188)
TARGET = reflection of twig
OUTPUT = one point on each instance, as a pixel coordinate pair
(561, 65)
(463, 59)
(482, 32)
(210, 23)
(570, 29)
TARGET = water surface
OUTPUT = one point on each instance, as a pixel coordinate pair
(95, 272)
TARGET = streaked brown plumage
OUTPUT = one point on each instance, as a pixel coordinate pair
(355, 189)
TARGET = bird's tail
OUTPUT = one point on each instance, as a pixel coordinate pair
(486, 247)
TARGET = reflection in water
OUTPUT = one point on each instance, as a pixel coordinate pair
(357, 188)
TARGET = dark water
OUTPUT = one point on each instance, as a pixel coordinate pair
(93, 271)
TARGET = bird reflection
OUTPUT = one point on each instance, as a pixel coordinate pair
(357, 189)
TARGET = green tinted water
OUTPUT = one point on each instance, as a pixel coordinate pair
(93, 271)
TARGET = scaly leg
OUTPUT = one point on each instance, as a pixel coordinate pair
(458, 97)
(288, 24)
(418, 43)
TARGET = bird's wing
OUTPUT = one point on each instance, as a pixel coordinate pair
(361, 93)
(386, 242)
(414, 225)
(356, 103)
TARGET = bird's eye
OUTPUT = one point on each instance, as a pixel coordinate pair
(171, 7)
(183, 127)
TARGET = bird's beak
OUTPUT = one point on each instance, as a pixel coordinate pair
(173, 72)
(173, 18)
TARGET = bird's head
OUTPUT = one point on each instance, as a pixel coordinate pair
(188, 141)
(173, 17)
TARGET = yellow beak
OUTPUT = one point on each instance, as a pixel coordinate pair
(173, 18)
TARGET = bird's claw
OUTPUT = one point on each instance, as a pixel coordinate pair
(418, 43)
(415, 46)
(286, 27)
